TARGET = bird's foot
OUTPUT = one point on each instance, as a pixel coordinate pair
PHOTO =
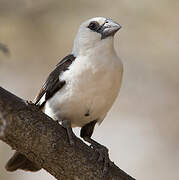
(71, 136)
(103, 156)
(27, 102)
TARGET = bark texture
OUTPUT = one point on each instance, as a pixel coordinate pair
(29, 131)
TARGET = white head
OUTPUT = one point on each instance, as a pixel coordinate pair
(93, 33)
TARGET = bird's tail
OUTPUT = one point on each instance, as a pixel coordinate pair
(19, 161)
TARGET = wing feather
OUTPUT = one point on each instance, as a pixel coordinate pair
(53, 84)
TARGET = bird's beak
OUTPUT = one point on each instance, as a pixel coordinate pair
(109, 28)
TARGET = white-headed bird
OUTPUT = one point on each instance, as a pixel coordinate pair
(82, 87)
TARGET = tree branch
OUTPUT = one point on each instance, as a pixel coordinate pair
(43, 141)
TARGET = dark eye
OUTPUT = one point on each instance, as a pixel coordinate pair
(93, 25)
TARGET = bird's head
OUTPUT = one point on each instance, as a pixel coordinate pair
(94, 33)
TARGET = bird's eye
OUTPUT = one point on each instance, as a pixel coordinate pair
(93, 25)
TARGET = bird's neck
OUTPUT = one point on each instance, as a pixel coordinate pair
(104, 46)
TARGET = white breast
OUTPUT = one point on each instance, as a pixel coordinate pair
(92, 85)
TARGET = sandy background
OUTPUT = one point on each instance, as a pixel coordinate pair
(142, 128)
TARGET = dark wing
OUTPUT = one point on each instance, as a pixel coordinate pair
(53, 84)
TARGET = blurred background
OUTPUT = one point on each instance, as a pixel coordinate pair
(142, 128)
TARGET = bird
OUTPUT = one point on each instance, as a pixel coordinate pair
(82, 88)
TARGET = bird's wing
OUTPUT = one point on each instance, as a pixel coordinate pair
(53, 83)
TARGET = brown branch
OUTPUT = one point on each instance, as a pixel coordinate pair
(43, 141)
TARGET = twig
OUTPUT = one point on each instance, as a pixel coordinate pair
(4, 49)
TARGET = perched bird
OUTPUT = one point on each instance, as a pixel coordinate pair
(82, 87)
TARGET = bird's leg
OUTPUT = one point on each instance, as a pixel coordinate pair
(103, 153)
(67, 125)
(86, 133)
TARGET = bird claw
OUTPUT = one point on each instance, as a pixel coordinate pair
(103, 156)
(71, 140)
(27, 102)
(71, 136)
